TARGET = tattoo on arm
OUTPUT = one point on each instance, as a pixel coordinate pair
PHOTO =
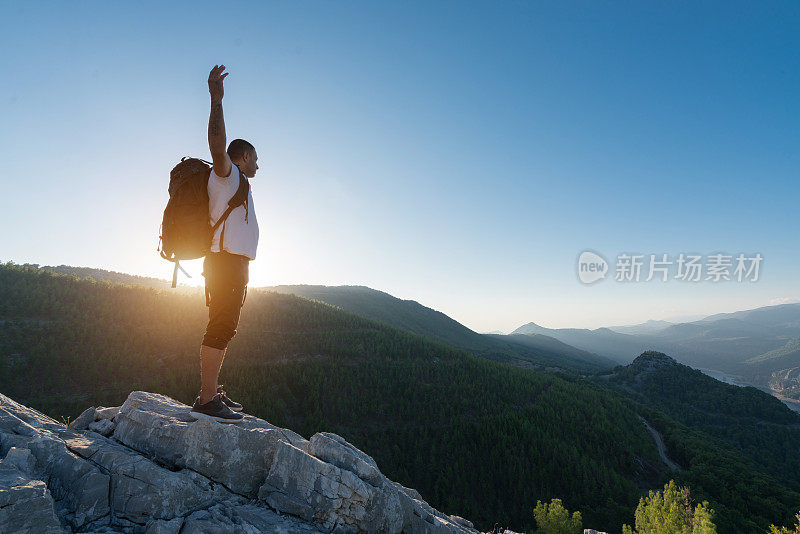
(216, 113)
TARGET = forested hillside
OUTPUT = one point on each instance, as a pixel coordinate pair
(411, 316)
(751, 421)
(111, 276)
(478, 438)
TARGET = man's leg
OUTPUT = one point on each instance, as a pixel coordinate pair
(226, 290)
(210, 366)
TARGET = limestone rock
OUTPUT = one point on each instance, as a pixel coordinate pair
(22, 459)
(461, 521)
(107, 413)
(79, 488)
(342, 489)
(148, 467)
(16, 418)
(83, 420)
(140, 489)
(162, 526)
(102, 426)
(8, 441)
(236, 455)
(333, 449)
(25, 504)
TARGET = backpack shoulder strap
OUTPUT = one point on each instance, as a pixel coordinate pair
(240, 196)
(236, 200)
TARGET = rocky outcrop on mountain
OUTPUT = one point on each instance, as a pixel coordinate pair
(642, 366)
(148, 467)
(786, 382)
(651, 360)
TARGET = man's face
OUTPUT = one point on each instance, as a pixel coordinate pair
(250, 164)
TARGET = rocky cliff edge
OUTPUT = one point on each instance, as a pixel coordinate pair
(148, 467)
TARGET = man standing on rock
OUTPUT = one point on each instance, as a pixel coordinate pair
(233, 246)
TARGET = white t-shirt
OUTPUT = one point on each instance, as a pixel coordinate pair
(241, 234)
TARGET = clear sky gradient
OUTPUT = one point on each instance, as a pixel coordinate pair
(461, 154)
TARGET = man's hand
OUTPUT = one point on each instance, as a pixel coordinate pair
(215, 78)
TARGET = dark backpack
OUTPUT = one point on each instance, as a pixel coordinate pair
(186, 231)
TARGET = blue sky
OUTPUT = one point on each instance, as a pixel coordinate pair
(461, 154)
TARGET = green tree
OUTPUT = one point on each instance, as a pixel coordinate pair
(773, 529)
(670, 512)
(553, 518)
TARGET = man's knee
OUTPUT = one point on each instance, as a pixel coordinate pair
(227, 291)
(218, 340)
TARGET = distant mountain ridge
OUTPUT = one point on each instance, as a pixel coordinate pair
(647, 327)
(764, 314)
(621, 348)
(414, 317)
(753, 343)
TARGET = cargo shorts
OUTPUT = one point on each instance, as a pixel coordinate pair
(226, 277)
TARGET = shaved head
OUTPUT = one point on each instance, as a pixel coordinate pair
(237, 149)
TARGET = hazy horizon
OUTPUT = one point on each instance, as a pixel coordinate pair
(460, 154)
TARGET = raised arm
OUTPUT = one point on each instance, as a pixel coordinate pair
(216, 124)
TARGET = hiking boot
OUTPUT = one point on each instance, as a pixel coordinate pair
(214, 409)
(235, 406)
